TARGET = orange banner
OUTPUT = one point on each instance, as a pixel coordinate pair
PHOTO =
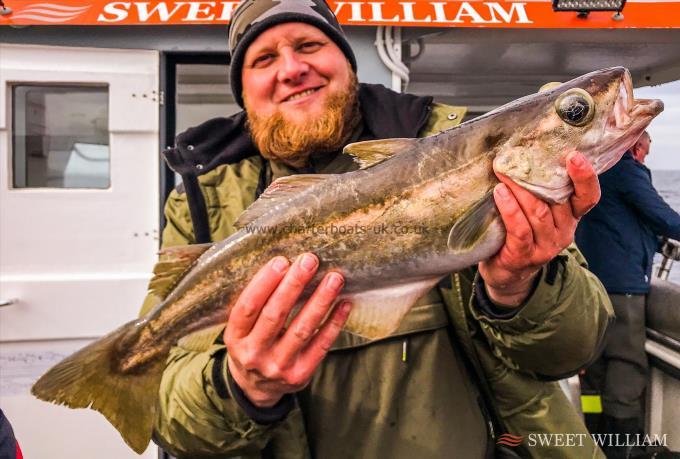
(415, 13)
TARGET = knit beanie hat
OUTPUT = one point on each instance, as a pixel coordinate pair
(252, 17)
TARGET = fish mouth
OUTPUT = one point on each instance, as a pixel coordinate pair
(629, 113)
(627, 120)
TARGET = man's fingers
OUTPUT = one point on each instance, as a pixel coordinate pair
(519, 236)
(586, 186)
(309, 318)
(322, 342)
(537, 212)
(280, 303)
(247, 308)
(565, 223)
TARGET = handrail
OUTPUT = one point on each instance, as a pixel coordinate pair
(670, 250)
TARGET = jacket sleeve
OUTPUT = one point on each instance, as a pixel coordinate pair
(198, 412)
(178, 227)
(648, 204)
(560, 329)
(194, 419)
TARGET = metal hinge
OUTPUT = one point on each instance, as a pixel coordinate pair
(161, 98)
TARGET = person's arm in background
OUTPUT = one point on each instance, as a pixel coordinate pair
(639, 192)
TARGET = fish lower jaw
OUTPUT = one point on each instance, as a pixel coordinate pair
(604, 162)
(623, 129)
(558, 193)
(617, 142)
(627, 116)
(647, 108)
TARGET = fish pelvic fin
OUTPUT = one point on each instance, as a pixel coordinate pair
(378, 313)
(373, 152)
(473, 224)
(91, 378)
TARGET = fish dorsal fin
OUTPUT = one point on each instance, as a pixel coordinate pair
(373, 152)
(471, 227)
(280, 191)
(377, 313)
(201, 340)
(173, 263)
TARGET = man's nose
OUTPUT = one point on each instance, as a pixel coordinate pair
(293, 67)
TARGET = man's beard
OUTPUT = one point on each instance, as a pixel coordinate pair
(292, 142)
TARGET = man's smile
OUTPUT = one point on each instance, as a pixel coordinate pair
(301, 94)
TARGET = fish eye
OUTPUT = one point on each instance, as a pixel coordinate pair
(575, 107)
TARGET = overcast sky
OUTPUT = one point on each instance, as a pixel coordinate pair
(665, 129)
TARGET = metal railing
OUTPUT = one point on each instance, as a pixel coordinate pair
(670, 250)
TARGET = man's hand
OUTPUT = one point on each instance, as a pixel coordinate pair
(536, 231)
(267, 360)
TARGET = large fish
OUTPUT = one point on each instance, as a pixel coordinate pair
(417, 210)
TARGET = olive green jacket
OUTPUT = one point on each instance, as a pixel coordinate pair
(376, 388)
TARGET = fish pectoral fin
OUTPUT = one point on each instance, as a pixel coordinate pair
(280, 191)
(471, 227)
(373, 152)
(378, 313)
(201, 340)
(173, 263)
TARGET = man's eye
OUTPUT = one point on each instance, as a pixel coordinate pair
(262, 60)
(310, 46)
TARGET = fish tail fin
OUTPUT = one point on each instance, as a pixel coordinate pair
(92, 378)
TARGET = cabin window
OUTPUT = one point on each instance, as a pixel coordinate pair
(60, 137)
(203, 92)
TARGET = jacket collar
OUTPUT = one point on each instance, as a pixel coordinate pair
(628, 156)
(226, 140)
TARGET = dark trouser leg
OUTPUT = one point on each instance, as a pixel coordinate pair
(626, 360)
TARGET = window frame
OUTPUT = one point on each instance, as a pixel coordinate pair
(11, 157)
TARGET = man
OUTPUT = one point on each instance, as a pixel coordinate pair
(641, 149)
(619, 238)
(476, 357)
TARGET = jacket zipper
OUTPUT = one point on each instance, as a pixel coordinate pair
(459, 293)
